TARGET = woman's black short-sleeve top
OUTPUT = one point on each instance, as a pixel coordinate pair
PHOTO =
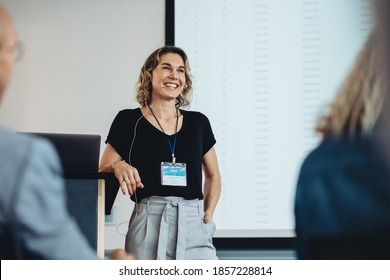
(150, 148)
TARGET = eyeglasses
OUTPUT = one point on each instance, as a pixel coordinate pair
(17, 50)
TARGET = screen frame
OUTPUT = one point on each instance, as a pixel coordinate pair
(226, 243)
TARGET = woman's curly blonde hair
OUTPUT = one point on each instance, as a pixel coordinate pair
(358, 104)
(144, 84)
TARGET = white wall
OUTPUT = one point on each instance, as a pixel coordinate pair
(80, 68)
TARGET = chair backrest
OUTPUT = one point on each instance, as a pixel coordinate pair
(372, 246)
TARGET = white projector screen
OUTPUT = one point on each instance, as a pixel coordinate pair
(263, 72)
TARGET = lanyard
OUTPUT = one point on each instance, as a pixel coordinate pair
(172, 147)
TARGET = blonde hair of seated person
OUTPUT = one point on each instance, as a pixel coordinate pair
(359, 101)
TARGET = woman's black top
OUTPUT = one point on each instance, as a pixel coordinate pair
(150, 148)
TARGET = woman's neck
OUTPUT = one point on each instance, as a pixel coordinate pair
(163, 110)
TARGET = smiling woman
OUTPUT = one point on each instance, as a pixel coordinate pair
(168, 79)
(145, 78)
(158, 152)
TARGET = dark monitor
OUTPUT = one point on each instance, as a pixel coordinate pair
(78, 152)
(79, 155)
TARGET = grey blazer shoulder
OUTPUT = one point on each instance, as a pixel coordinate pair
(33, 199)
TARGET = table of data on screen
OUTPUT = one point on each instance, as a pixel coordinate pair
(264, 70)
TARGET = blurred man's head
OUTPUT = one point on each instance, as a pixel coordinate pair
(8, 42)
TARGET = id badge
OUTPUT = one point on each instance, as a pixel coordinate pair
(173, 174)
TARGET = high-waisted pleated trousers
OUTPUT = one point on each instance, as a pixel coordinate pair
(163, 228)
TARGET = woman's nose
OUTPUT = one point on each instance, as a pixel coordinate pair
(173, 75)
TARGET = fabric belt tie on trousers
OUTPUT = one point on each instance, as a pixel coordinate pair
(181, 231)
(181, 226)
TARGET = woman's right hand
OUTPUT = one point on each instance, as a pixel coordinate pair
(128, 177)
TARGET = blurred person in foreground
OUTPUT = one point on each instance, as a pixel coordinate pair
(344, 184)
(34, 220)
(382, 12)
